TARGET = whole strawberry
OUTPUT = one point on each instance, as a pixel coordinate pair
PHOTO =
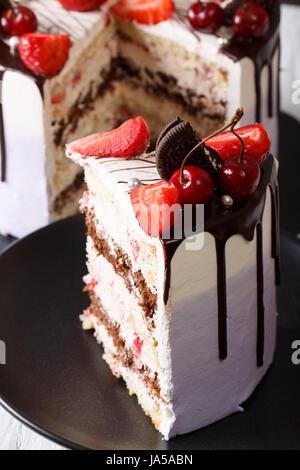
(44, 54)
(81, 5)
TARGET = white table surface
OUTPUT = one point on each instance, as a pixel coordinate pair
(16, 436)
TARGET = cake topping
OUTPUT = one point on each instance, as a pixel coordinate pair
(44, 54)
(126, 141)
(226, 200)
(197, 186)
(239, 176)
(143, 11)
(206, 17)
(255, 138)
(251, 20)
(156, 206)
(175, 141)
(17, 21)
(134, 183)
(167, 128)
(81, 5)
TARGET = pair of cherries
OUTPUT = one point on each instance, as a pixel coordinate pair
(238, 177)
(250, 19)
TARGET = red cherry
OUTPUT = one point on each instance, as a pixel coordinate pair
(240, 180)
(17, 21)
(206, 17)
(198, 188)
(251, 20)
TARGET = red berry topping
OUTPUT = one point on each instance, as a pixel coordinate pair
(206, 16)
(128, 140)
(44, 54)
(17, 21)
(251, 20)
(240, 180)
(255, 138)
(81, 5)
(143, 11)
(198, 187)
(156, 206)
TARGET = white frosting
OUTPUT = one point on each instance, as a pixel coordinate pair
(205, 388)
(23, 197)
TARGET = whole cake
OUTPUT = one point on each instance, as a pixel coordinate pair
(185, 310)
(91, 70)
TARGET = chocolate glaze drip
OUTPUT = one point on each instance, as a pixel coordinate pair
(2, 140)
(9, 61)
(242, 218)
(261, 52)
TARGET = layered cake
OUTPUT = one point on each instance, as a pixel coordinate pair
(92, 70)
(183, 260)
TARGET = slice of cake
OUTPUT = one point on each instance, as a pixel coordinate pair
(119, 65)
(187, 318)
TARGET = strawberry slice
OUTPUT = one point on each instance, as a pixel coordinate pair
(81, 5)
(128, 140)
(255, 137)
(44, 54)
(156, 206)
(143, 11)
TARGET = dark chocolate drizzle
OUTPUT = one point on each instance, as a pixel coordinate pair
(242, 218)
(2, 140)
(9, 61)
(261, 52)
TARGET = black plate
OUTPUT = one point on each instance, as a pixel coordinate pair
(56, 382)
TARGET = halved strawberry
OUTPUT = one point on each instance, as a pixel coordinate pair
(81, 5)
(44, 54)
(156, 206)
(128, 140)
(255, 137)
(143, 11)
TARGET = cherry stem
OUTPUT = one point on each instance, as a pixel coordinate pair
(231, 124)
(241, 157)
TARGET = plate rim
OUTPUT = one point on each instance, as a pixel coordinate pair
(4, 403)
(50, 435)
